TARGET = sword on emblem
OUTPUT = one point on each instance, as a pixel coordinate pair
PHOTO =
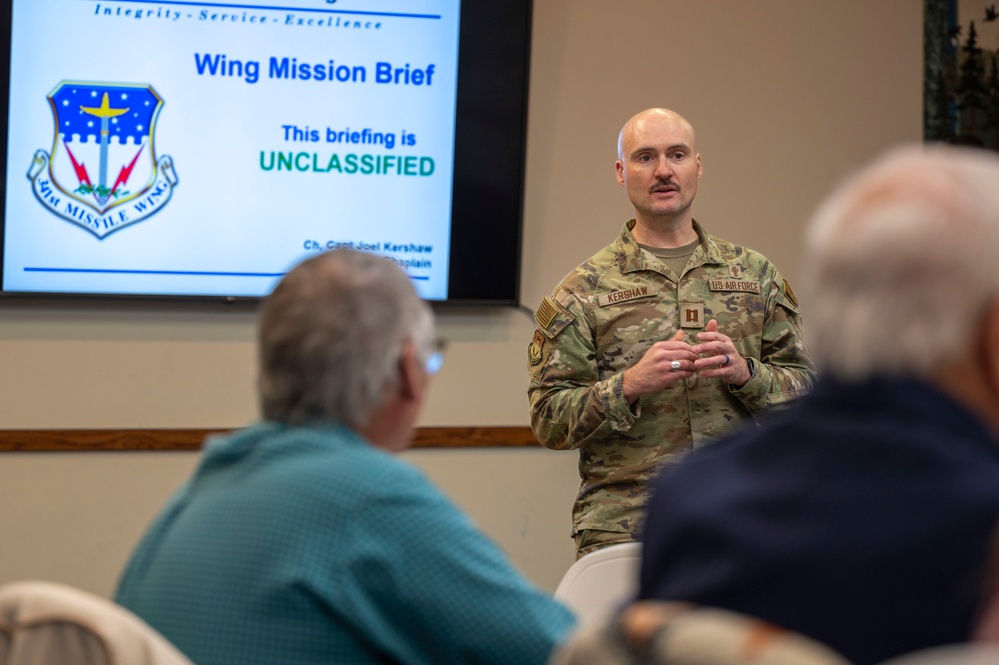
(105, 113)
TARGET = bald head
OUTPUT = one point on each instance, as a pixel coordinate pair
(647, 120)
(659, 167)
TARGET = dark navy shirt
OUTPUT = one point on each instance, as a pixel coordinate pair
(863, 517)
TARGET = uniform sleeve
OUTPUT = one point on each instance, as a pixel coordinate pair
(569, 403)
(784, 371)
(427, 587)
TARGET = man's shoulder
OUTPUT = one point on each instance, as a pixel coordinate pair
(730, 252)
(585, 278)
(327, 459)
(863, 428)
(746, 264)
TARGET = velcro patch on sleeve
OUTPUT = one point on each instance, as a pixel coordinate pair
(552, 316)
(547, 311)
(536, 349)
(790, 294)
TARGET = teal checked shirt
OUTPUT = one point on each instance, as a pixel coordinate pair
(299, 546)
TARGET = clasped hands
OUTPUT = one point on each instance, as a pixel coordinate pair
(714, 356)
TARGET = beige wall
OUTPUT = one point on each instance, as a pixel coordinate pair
(787, 96)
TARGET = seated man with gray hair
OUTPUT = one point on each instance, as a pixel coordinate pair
(863, 517)
(301, 539)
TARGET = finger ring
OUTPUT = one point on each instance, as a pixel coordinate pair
(675, 365)
(726, 361)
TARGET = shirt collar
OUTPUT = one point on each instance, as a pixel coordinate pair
(634, 258)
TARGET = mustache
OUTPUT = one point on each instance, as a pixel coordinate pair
(669, 182)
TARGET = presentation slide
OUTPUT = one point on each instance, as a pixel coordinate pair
(204, 148)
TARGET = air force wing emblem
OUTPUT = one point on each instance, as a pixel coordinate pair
(103, 173)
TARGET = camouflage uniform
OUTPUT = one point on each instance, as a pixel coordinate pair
(602, 318)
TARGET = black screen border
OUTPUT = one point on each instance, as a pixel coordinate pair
(489, 160)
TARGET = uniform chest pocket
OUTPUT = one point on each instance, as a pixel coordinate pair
(624, 332)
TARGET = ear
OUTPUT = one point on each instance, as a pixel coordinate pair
(619, 167)
(412, 378)
(700, 171)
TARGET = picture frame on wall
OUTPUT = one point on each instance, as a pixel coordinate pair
(961, 72)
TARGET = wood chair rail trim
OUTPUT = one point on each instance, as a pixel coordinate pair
(80, 440)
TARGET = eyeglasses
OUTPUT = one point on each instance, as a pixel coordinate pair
(435, 360)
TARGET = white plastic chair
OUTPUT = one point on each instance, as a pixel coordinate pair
(44, 623)
(600, 582)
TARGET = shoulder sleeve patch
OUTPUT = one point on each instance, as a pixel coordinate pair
(547, 312)
(790, 294)
(552, 317)
(536, 348)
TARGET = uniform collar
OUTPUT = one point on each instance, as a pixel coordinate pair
(634, 259)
